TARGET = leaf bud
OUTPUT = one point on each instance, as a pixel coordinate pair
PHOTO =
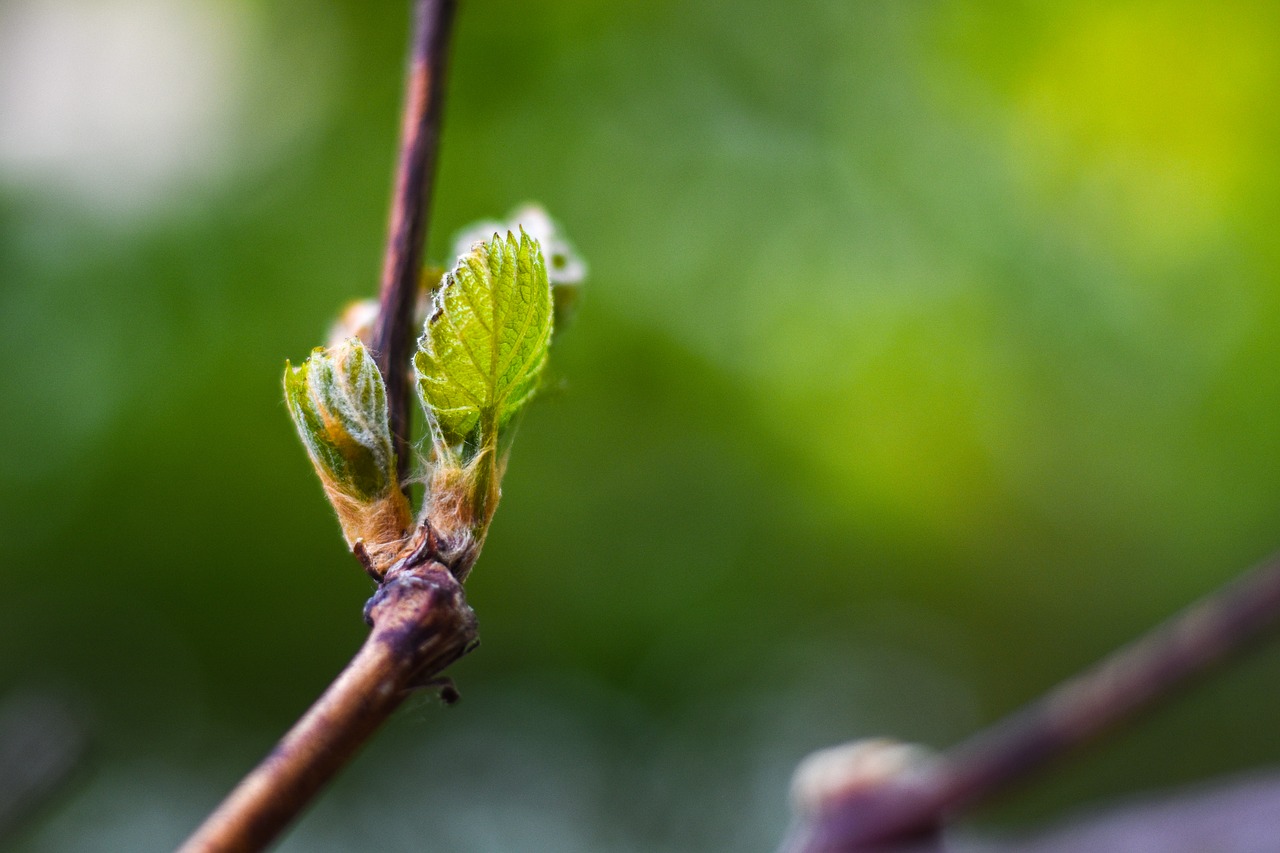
(338, 402)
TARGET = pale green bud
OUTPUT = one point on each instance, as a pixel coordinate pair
(339, 404)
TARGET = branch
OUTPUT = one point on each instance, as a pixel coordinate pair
(410, 211)
(1236, 816)
(420, 618)
(421, 625)
(915, 803)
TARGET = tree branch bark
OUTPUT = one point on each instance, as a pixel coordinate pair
(421, 625)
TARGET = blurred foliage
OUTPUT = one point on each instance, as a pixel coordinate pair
(929, 352)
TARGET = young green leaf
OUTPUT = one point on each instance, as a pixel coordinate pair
(339, 405)
(566, 269)
(485, 343)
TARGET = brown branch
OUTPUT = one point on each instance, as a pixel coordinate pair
(410, 211)
(420, 618)
(421, 625)
(1151, 669)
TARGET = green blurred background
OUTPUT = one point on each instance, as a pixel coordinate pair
(929, 352)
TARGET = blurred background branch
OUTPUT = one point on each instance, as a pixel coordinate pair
(1236, 816)
(920, 798)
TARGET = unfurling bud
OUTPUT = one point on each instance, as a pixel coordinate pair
(339, 404)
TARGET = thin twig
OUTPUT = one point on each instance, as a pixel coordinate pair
(420, 618)
(1149, 670)
(411, 210)
(421, 625)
